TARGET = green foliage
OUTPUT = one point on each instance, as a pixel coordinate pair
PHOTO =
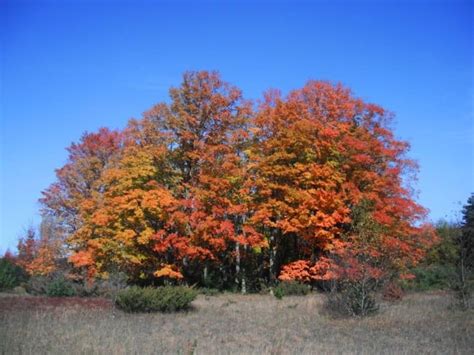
(290, 288)
(439, 268)
(446, 251)
(161, 299)
(60, 287)
(431, 277)
(278, 293)
(11, 275)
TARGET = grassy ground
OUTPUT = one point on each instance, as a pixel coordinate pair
(421, 323)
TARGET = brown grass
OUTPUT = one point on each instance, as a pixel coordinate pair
(420, 323)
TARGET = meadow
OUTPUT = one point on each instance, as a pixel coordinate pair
(233, 323)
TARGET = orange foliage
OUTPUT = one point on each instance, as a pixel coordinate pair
(37, 256)
(168, 272)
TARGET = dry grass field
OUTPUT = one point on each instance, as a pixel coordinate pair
(421, 323)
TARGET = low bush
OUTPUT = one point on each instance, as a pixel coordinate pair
(161, 299)
(11, 275)
(290, 288)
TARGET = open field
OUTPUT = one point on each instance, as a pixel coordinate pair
(421, 323)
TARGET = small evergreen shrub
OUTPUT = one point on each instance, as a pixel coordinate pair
(11, 275)
(161, 299)
(290, 288)
(60, 287)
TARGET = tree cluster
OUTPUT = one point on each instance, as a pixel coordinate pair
(213, 189)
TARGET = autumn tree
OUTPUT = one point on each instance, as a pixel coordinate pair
(121, 219)
(207, 124)
(173, 201)
(317, 154)
(78, 178)
(39, 252)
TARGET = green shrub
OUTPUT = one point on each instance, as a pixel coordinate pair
(60, 287)
(11, 275)
(290, 288)
(161, 299)
(278, 293)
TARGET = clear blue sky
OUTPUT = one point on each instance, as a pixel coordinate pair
(72, 66)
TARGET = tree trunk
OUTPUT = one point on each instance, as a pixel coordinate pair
(243, 288)
(272, 258)
(237, 264)
(205, 275)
